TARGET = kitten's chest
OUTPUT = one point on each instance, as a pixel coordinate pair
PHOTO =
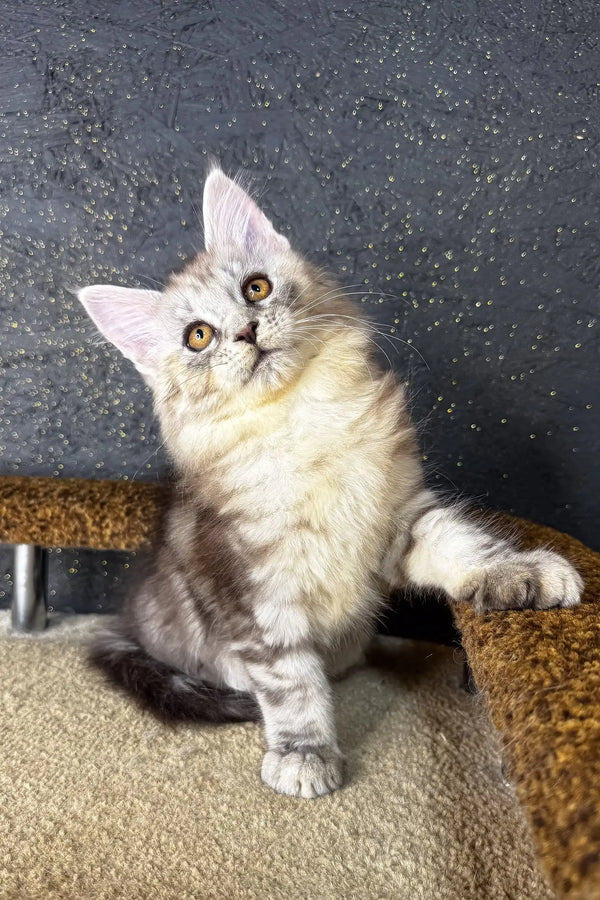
(313, 506)
(307, 475)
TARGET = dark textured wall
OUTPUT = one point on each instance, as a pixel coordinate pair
(441, 158)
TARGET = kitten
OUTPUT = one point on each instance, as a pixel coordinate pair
(299, 502)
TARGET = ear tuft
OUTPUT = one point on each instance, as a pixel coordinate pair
(128, 317)
(232, 217)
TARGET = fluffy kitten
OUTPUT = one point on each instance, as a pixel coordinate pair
(299, 503)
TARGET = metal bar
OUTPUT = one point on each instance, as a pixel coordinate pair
(28, 611)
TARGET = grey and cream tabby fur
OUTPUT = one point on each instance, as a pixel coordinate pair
(299, 502)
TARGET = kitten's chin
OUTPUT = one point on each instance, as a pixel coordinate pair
(267, 373)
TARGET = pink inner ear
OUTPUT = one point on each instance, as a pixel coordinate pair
(232, 217)
(128, 317)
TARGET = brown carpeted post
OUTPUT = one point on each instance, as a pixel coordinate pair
(539, 673)
(36, 513)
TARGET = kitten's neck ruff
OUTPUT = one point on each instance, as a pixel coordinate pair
(202, 433)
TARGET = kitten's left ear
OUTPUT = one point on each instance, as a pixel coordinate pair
(231, 216)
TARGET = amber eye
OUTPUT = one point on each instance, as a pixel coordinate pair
(256, 288)
(198, 336)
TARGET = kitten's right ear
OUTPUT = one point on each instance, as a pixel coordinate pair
(128, 317)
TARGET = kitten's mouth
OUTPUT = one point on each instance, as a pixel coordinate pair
(261, 360)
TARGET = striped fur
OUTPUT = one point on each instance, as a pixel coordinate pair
(300, 499)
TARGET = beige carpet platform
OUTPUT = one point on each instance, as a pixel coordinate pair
(98, 800)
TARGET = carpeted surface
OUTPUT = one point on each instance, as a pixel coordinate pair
(100, 801)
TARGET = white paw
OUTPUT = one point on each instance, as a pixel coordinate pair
(534, 579)
(305, 773)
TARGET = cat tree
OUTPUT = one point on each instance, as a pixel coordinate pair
(539, 672)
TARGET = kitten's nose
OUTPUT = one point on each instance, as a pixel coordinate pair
(248, 333)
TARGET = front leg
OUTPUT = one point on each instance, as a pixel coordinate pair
(302, 759)
(442, 548)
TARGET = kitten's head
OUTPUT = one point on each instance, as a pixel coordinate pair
(239, 319)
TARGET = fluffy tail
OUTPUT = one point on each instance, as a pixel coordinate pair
(166, 691)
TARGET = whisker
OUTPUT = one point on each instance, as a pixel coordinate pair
(368, 323)
(372, 341)
(329, 294)
(334, 288)
(306, 329)
(148, 458)
(340, 292)
(148, 278)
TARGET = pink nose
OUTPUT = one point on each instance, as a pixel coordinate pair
(248, 333)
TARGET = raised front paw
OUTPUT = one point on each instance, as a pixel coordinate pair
(535, 579)
(306, 773)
